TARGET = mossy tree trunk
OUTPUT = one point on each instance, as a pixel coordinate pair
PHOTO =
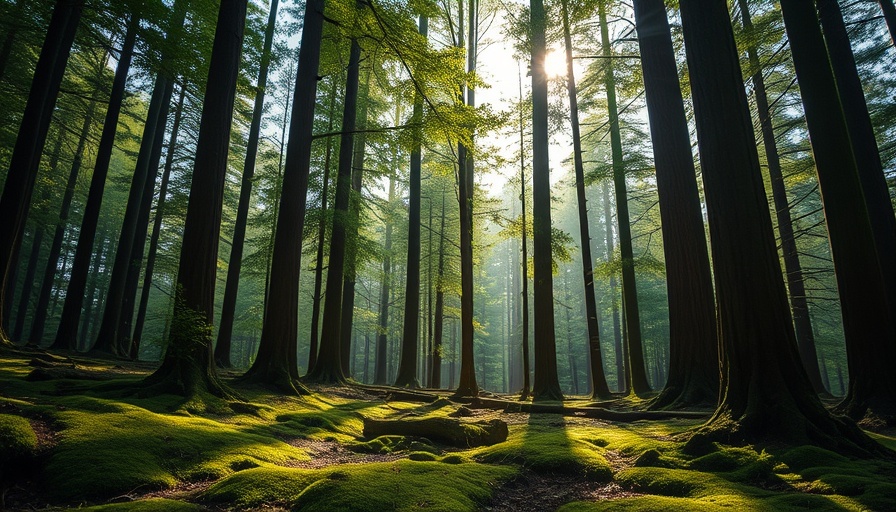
(546, 385)
(25, 158)
(693, 346)
(276, 362)
(599, 388)
(188, 366)
(228, 308)
(766, 394)
(328, 367)
(867, 324)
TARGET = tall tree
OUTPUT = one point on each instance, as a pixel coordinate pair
(328, 367)
(622, 376)
(793, 269)
(228, 309)
(694, 353)
(276, 362)
(636, 366)
(889, 9)
(546, 385)
(32, 135)
(867, 324)
(187, 367)
(435, 376)
(765, 391)
(524, 245)
(407, 367)
(599, 388)
(380, 373)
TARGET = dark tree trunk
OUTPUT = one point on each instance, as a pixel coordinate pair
(865, 149)
(467, 380)
(636, 367)
(93, 291)
(867, 325)
(276, 362)
(228, 309)
(525, 392)
(890, 16)
(66, 334)
(792, 267)
(317, 297)
(188, 367)
(134, 351)
(380, 373)
(42, 309)
(435, 376)
(407, 366)
(353, 228)
(328, 367)
(622, 381)
(766, 394)
(19, 186)
(546, 385)
(599, 388)
(694, 365)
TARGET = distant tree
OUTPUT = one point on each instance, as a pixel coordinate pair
(188, 367)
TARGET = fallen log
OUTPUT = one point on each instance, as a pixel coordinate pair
(448, 431)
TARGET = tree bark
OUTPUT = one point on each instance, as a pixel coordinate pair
(525, 392)
(636, 366)
(694, 351)
(867, 325)
(622, 381)
(228, 309)
(328, 367)
(890, 16)
(546, 385)
(66, 333)
(25, 159)
(766, 394)
(380, 373)
(435, 376)
(188, 367)
(276, 362)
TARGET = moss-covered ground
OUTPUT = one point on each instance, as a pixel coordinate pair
(86, 444)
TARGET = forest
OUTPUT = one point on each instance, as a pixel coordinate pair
(453, 255)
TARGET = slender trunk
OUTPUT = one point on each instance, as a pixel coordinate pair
(792, 267)
(407, 367)
(66, 334)
(636, 366)
(546, 385)
(276, 362)
(890, 16)
(134, 351)
(427, 376)
(19, 185)
(622, 381)
(867, 325)
(93, 291)
(598, 378)
(694, 364)
(435, 376)
(188, 366)
(328, 367)
(9, 40)
(524, 394)
(228, 309)
(317, 297)
(380, 373)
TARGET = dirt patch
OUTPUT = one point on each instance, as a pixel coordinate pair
(330, 453)
(531, 492)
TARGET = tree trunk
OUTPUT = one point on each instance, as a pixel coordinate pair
(546, 385)
(766, 394)
(380, 373)
(636, 366)
(328, 367)
(792, 267)
(599, 388)
(25, 159)
(66, 334)
(317, 297)
(525, 392)
(867, 325)
(435, 376)
(134, 351)
(407, 366)
(228, 309)
(890, 16)
(10, 38)
(622, 381)
(694, 365)
(188, 367)
(93, 291)
(276, 362)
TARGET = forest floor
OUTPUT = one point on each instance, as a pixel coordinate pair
(82, 442)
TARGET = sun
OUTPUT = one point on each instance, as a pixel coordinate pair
(555, 64)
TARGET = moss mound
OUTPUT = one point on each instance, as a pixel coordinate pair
(150, 505)
(392, 444)
(17, 438)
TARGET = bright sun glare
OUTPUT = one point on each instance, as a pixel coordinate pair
(555, 64)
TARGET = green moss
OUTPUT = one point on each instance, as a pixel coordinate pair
(811, 456)
(150, 505)
(116, 447)
(422, 456)
(391, 444)
(17, 438)
(779, 503)
(402, 485)
(550, 449)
